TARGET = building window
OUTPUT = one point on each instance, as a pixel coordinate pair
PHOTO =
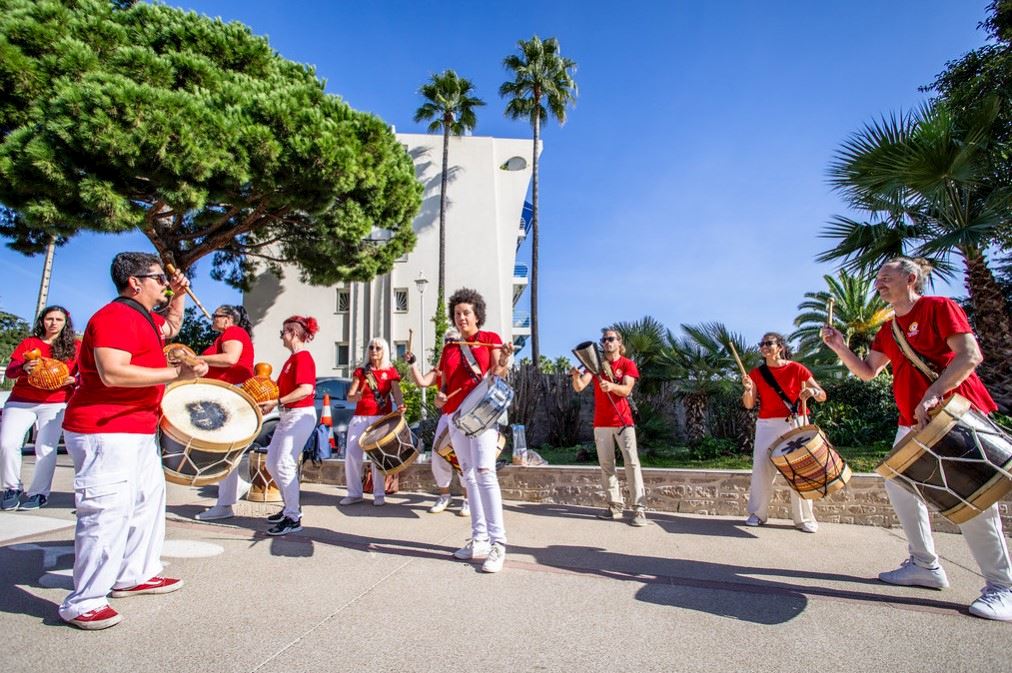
(341, 356)
(401, 300)
(400, 348)
(343, 301)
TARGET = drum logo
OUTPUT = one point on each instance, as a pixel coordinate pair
(207, 415)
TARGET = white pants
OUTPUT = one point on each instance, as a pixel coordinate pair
(119, 492)
(476, 456)
(354, 458)
(18, 417)
(605, 439)
(983, 533)
(285, 451)
(232, 487)
(764, 472)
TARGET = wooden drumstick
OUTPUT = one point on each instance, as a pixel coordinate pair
(411, 335)
(741, 367)
(171, 270)
(453, 393)
(829, 311)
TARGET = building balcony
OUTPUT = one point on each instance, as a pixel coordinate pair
(521, 323)
(526, 220)
(520, 281)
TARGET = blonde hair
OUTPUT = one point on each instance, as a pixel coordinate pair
(920, 267)
(385, 360)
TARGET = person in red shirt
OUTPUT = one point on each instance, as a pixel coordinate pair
(296, 385)
(110, 426)
(230, 359)
(376, 390)
(613, 424)
(476, 454)
(53, 335)
(797, 383)
(936, 328)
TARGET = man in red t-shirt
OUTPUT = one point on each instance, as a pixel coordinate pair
(109, 426)
(613, 424)
(938, 331)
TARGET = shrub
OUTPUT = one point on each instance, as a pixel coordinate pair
(709, 448)
(857, 413)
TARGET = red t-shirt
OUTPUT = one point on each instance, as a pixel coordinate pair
(457, 373)
(97, 408)
(241, 370)
(929, 323)
(299, 368)
(369, 405)
(605, 415)
(791, 376)
(24, 391)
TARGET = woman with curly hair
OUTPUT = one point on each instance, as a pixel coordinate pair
(296, 385)
(53, 336)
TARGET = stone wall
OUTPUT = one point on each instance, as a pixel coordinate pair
(712, 492)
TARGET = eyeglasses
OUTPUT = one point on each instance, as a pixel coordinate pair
(769, 343)
(605, 340)
(288, 331)
(160, 278)
(375, 348)
(219, 315)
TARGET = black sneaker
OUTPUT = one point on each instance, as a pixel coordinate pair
(10, 499)
(277, 517)
(285, 526)
(33, 502)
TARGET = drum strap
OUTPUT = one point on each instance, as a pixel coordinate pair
(381, 400)
(911, 354)
(136, 305)
(771, 380)
(472, 364)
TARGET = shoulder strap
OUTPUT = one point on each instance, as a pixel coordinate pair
(370, 380)
(136, 305)
(911, 354)
(771, 380)
(472, 364)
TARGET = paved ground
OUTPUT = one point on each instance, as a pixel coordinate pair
(375, 589)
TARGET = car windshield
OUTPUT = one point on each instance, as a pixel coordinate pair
(336, 388)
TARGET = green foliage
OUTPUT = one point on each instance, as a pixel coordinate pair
(857, 413)
(197, 133)
(542, 81)
(449, 104)
(653, 429)
(710, 448)
(13, 330)
(858, 313)
(441, 320)
(195, 331)
(560, 365)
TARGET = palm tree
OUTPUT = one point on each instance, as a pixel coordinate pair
(858, 313)
(450, 107)
(644, 341)
(542, 83)
(922, 179)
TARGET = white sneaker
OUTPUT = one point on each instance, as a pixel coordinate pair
(995, 602)
(496, 559)
(808, 527)
(473, 549)
(349, 500)
(753, 520)
(465, 509)
(442, 503)
(215, 513)
(909, 574)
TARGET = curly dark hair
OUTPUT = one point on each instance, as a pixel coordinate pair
(466, 295)
(238, 315)
(782, 340)
(64, 347)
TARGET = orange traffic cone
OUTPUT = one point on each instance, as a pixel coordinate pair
(325, 416)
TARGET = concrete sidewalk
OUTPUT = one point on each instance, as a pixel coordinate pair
(363, 588)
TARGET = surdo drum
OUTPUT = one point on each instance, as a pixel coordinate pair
(809, 462)
(444, 449)
(262, 487)
(389, 443)
(205, 427)
(960, 463)
(483, 406)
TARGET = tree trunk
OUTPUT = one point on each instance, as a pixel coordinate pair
(991, 317)
(535, 345)
(442, 207)
(695, 416)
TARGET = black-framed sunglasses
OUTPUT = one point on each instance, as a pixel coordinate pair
(769, 342)
(375, 348)
(608, 339)
(160, 277)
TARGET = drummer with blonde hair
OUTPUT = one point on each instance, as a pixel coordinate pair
(376, 391)
(937, 330)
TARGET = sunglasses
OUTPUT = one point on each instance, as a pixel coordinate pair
(769, 343)
(375, 348)
(160, 278)
(605, 340)
(288, 331)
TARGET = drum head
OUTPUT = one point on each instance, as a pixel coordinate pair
(376, 433)
(793, 441)
(210, 413)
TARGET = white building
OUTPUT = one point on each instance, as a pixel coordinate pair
(486, 222)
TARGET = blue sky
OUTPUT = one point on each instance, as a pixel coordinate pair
(689, 182)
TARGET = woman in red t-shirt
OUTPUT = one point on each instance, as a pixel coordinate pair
(477, 453)
(229, 359)
(376, 390)
(296, 385)
(774, 420)
(53, 335)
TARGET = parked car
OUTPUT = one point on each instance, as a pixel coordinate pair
(341, 410)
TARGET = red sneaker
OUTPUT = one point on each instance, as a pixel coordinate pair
(155, 585)
(94, 620)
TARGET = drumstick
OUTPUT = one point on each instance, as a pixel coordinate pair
(734, 352)
(829, 311)
(411, 335)
(171, 270)
(477, 343)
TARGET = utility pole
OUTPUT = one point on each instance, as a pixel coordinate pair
(47, 274)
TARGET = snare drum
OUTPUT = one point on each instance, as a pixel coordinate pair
(389, 444)
(205, 427)
(262, 487)
(809, 462)
(483, 406)
(444, 449)
(960, 463)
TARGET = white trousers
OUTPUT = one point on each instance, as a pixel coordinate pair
(285, 451)
(764, 473)
(605, 439)
(354, 458)
(983, 533)
(18, 417)
(232, 487)
(119, 492)
(476, 456)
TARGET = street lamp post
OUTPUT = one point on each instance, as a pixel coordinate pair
(420, 283)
